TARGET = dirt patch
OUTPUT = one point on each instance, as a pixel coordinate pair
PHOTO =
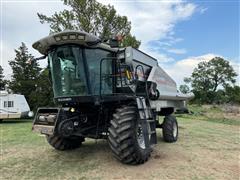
(231, 109)
(227, 114)
(232, 116)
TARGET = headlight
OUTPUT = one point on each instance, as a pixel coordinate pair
(51, 118)
(41, 118)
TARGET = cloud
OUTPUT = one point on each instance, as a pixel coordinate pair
(162, 58)
(177, 51)
(19, 23)
(203, 10)
(154, 21)
(7, 53)
(184, 68)
(236, 67)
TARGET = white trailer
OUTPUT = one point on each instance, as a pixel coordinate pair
(13, 106)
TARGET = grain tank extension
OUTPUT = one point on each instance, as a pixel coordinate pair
(106, 92)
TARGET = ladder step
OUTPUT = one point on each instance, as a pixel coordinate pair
(151, 120)
(152, 132)
(142, 108)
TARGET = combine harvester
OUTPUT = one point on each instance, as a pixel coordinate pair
(106, 92)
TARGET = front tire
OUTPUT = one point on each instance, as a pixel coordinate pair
(170, 129)
(62, 143)
(125, 138)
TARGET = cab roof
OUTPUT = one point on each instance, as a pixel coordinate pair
(69, 37)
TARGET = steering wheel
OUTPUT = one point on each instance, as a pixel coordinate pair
(69, 69)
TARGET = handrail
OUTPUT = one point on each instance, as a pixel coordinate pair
(104, 59)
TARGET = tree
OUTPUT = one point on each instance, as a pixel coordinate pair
(25, 74)
(184, 89)
(232, 94)
(43, 95)
(2, 81)
(209, 76)
(220, 97)
(92, 17)
(130, 40)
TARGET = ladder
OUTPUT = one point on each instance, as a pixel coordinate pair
(148, 122)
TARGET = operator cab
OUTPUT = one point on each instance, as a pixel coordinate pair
(74, 59)
(76, 71)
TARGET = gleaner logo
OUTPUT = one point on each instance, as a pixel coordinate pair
(64, 99)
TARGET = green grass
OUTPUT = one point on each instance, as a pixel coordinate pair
(221, 120)
(207, 148)
(210, 114)
(27, 154)
(224, 121)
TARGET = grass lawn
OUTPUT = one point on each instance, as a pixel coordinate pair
(208, 148)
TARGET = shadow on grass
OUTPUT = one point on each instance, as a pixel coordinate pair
(96, 153)
(89, 149)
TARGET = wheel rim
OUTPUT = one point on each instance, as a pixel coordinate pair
(140, 137)
(175, 129)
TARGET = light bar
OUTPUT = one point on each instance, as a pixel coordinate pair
(64, 37)
(72, 36)
(57, 38)
(80, 37)
(69, 37)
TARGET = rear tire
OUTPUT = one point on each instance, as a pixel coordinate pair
(61, 143)
(124, 137)
(170, 129)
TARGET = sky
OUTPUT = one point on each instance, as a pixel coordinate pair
(180, 34)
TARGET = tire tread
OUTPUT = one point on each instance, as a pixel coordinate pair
(61, 143)
(167, 129)
(121, 137)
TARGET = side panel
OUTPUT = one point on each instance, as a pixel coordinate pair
(165, 84)
(143, 58)
(166, 104)
(167, 87)
(10, 115)
(134, 57)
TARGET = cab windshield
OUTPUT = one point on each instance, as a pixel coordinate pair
(76, 71)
